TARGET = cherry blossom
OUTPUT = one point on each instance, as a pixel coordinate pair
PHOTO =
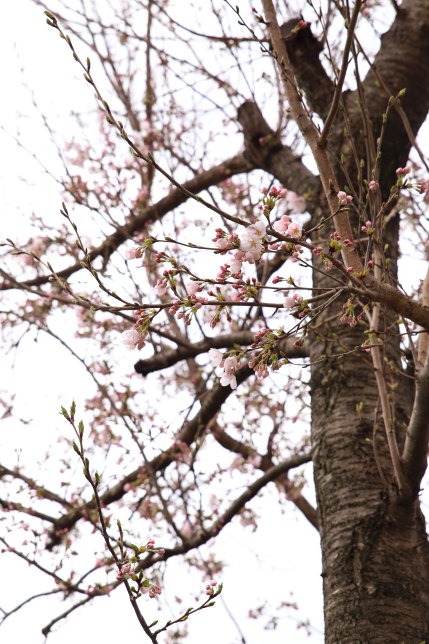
(256, 230)
(294, 230)
(223, 244)
(343, 198)
(282, 224)
(403, 171)
(292, 300)
(236, 263)
(154, 591)
(193, 287)
(230, 365)
(161, 286)
(133, 253)
(295, 203)
(252, 248)
(125, 572)
(133, 339)
(216, 357)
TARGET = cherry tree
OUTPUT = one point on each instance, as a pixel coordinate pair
(233, 211)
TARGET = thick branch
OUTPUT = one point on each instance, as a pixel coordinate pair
(165, 359)
(217, 174)
(402, 63)
(398, 302)
(417, 437)
(271, 474)
(210, 406)
(310, 133)
(42, 492)
(304, 50)
(264, 149)
(265, 465)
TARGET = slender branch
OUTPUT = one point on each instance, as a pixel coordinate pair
(266, 463)
(309, 131)
(417, 436)
(47, 629)
(423, 343)
(42, 491)
(210, 405)
(344, 65)
(165, 359)
(238, 504)
(202, 181)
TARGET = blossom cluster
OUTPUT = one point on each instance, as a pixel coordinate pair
(229, 365)
(249, 247)
(210, 588)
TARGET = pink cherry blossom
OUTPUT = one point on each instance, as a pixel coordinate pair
(295, 203)
(236, 263)
(343, 198)
(229, 379)
(294, 230)
(124, 572)
(161, 286)
(153, 591)
(133, 253)
(256, 230)
(252, 248)
(193, 287)
(216, 357)
(223, 244)
(230, 365)
(130, 338)
(282, 224)
(403, 171)
(292, 300)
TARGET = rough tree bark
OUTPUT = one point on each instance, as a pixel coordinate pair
(374, 544)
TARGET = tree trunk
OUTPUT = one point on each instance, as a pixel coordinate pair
(374, 549)
(374, 546)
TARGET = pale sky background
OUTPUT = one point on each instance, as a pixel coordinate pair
(283, 557)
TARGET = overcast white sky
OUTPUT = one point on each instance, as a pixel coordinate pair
(284, 555)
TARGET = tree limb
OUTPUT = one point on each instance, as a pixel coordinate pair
(266, 464)
(238, 504)
(417, 436)
(217, 174)
(210, 405)
(264, 149)
(165, 359)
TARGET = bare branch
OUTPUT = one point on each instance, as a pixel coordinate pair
(217, 174)
(266, 464)
(238, 504)
(165, 359)
(417, 436)
(210, 405)
(342, 75)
